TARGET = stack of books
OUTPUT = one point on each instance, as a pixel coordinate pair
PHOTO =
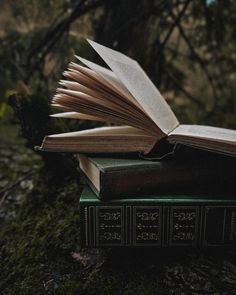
(170, 201)
(174, 202)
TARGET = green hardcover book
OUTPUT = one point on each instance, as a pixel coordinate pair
(157, 221)
(115, 177)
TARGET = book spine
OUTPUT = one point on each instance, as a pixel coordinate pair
(131, 182)
(154, 225)
(165, 179)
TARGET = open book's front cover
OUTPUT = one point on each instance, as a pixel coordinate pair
(132, 76)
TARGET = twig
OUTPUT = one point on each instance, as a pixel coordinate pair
(2, 200)
(11, 186)
(51, 33)
(200, 61)
(182, 89)
(160, 46)
(57, 32)
(175, 23)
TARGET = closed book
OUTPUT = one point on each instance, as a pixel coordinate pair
(157, 221)
(115, 177)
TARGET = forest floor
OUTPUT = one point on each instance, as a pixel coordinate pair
(40, 249)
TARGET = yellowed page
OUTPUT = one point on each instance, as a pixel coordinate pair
(101, 140)
(140, 86)
(72, 85)
(97, 98)
(205, 132)
(83, 103)
(96, 87)
(105, 131)
(90, 170)
(106, 96)
(216, 139)
(109, 78)
(75, 115)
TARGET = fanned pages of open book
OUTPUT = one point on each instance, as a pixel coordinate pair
(125, 96)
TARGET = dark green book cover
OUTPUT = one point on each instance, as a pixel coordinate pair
(119, 177)
(158, 221)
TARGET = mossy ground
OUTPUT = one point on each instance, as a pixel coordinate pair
(40, 245)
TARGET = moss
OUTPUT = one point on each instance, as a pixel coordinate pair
(36, 250)
(122, 282)
(36, 245)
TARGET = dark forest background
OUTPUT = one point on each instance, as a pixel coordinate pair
(188, 49)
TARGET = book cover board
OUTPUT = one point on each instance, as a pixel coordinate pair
(119, 177)
(157, 221)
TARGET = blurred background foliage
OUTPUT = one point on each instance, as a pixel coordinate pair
(186, 47)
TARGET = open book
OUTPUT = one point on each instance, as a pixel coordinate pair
(126, 97)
